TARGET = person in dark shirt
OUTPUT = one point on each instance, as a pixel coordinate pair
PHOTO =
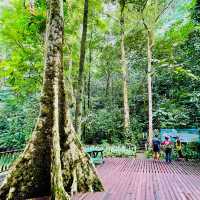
(156, 147)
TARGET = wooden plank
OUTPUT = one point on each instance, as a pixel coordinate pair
(130, 179)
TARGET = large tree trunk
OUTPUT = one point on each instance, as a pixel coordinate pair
(149, 82)
(125, 72)
(53, 163)
(79, 88)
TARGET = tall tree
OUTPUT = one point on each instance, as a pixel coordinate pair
(152, 12)
(124, 68)
(80, 84)
(150, 42)
(89, 73)
(53, 163)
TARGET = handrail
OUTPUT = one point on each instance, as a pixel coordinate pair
(8, 157)
(11, 151)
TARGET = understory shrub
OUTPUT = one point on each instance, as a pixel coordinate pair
(104, 125)
(17, 121)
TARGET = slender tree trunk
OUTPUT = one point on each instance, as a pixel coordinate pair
(69, 89)
(84, 113)
(89, 89)
(125, 73)
(79, 94)
(24, 3)
(149, 82)
(89, 79)
(108, 83)
(32, 6)
(112, 91)
(53, 163)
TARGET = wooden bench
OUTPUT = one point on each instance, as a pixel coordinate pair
(96, 154)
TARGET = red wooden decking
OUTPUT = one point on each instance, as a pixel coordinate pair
(129, 179)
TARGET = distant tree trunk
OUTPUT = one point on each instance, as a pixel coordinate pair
(89, 88)
(124, 71)
(112, 91)
(108, 82)
(69, 89)
(32, 6)
(149, 82)
(79, 94)
(83, 135)
(89, 79)
(150, 42)
(53, 163)
(24, 3)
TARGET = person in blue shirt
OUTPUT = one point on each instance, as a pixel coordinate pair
(156, 147)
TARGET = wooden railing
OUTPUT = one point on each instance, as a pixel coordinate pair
(8, 157)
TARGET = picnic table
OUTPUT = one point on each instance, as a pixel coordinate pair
(96, 154)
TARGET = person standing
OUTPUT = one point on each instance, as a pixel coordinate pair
(179, 148)
(156, 147)
(168, 145)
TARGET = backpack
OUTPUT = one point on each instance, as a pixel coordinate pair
(168, 145)
(156, 144)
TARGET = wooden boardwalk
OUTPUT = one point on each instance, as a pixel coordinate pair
(129, 179)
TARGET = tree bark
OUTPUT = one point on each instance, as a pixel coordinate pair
(83, 135)
(79, 94)
(69, 89)
(24, 3)
(89, 89)
(89, 78)
(53, 163)
(149, 82)
(108, 82)
(124, 72)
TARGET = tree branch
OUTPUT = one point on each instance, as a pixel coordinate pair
(144, 23)
(145, 3)
(142, 7)
(108, 15)
(143, 20)
(164, 9)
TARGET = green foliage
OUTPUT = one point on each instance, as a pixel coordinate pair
(196, 11)
(16, 120)
(192, 151)
(116, 150)
(104, 125)
(6, 160)
(21, 37)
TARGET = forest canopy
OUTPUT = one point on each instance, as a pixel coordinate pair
(113, 91)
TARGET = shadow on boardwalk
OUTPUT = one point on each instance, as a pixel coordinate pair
(129, 179)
